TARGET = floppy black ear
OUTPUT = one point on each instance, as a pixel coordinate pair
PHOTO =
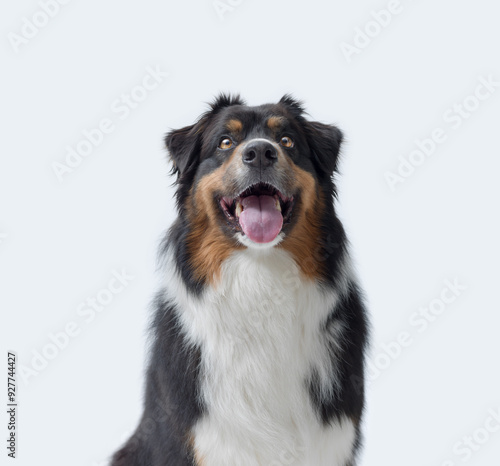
(184, 147)
(325, 141)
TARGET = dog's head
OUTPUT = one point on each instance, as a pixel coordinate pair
(253, 177)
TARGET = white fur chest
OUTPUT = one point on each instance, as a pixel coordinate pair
(260, 336)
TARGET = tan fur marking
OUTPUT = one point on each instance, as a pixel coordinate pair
(235, 126)
(207, 243)
(303, 241)
(198, 458)
(275, 122)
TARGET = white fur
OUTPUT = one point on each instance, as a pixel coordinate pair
(246, 241)
(259, 331)
(261, 139)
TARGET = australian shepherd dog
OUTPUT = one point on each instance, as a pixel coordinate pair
(260, 330)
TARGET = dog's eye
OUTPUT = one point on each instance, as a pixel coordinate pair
(225, 143)
(286, 141)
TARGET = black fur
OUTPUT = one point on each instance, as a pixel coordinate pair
(172, 401)
(349, 400)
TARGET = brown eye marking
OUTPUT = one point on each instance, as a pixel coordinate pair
(234, 126)
(275, 122)
(286, 142)
(225, 143)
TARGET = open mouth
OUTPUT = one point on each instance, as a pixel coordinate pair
(260, 212)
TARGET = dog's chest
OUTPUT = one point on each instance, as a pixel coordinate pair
(261, 335)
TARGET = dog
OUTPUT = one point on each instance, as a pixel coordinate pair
(260, 329)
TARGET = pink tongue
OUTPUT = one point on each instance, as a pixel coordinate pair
(260, 220)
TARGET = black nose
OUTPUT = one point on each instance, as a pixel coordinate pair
(260, 154)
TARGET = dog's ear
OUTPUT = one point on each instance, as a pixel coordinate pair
(294, 106)
(324, 141)
(184, 146)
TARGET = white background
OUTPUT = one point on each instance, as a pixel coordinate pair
(61, 241)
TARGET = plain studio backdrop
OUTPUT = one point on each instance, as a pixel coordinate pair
(88, 91)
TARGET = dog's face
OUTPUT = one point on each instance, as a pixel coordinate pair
(253, 177)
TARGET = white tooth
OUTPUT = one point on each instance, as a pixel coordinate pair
(278, 205)
(238, 208)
